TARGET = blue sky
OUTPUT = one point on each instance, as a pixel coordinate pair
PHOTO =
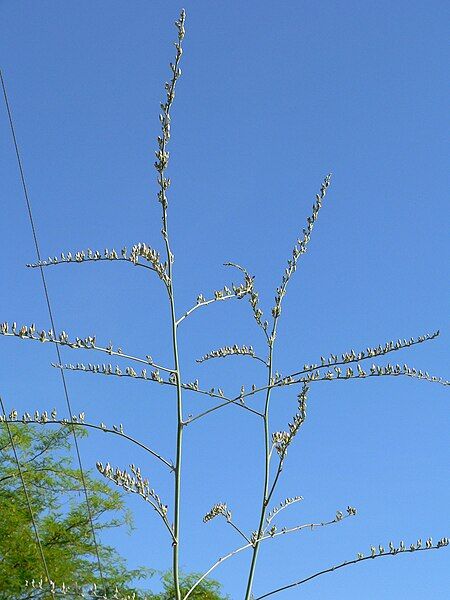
(273, 97)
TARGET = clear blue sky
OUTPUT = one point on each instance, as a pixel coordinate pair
(273, 96)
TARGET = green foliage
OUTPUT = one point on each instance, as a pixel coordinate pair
(206, 590)
(57, 500)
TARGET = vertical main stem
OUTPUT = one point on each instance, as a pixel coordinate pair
(179, 444)
(265, 498)
(162, 156)
(179, 439)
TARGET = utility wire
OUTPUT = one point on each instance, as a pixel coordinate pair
(50, 312)
(30, 508)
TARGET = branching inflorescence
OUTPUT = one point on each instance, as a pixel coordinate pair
(346, 366)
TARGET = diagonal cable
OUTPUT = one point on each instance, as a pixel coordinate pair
(50, 312)
(30, 508)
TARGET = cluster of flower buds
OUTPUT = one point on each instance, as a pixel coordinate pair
(30, 332)
(134, 484)
(94, 592)
(282, 439)
(192, 385)
(63, 339)
(222, 294)
(300, 247)
(236, 291)
(393, 549)
(162, 155)
(77, 591)
(252, 293)
(220, 509)
(137, 251)
(281, 506)
(211, 392)
(373, 371)
(257, 312)
(96, 255)
(115, 428)
(41, 417)
(443, 542)
(352, 356)
(228, 351)
(351, 512)
(151, 256)
(246, 287)
(41, 584)
(279, 380)
(109, 369)
(82, 256)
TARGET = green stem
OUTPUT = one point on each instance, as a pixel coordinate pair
(178, 458)
(161, 164)
(265, 498)
(180, 423)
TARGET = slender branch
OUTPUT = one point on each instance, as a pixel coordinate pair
(313, 376)
(316, 375)
(283, 505)
(139, 486)
(347, 563)
(222, 559)
(236, 291)
(310, 526)
(371, 352)
(299, 249)
(276, 478)
(281, 440)
(253, 298)
(88, 343)
(138, 251)
(109, 370)
(56, 261)
(241, 533)
(221, 509)
(226, 403)
(235, 350)
(375, 371)
(204, 303)
(101, 427)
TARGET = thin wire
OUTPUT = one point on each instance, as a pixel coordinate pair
(50, 312)
(30, 508)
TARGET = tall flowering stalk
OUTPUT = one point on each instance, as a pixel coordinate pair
(162, 161)
(332, 367)
(300, 248)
